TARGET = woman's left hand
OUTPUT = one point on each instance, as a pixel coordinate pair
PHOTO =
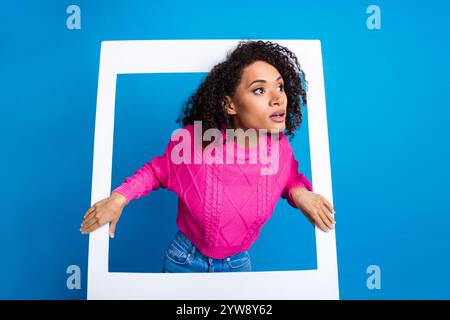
(316, 208)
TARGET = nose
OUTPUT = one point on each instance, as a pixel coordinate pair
(277, 99)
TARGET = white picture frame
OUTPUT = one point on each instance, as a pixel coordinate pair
(179, 56)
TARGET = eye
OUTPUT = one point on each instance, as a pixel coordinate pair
(257, 89)
(281, 85)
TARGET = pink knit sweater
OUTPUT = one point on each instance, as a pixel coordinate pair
(221, 207)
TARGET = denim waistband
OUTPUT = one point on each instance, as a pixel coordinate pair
(183, 240)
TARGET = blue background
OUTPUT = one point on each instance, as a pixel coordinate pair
(387, 112)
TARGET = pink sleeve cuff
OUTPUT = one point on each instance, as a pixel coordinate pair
(125, 191)
(301, 182)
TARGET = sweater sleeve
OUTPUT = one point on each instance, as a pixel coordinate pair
(151, 176)
(295, 180)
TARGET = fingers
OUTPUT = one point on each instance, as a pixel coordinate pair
(96, 217)
(112, 229)
(319, 222)
(323, 220)
(328, 216)
(94, 226)
(90, 219)
(91, 223)
(326, 219)
(91, 209)
(326, 211)
(89, 215)
(319, 212)
(328, 205)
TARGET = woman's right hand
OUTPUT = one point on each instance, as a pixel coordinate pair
(102, 212)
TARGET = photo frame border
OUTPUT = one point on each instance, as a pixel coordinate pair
(163, 56)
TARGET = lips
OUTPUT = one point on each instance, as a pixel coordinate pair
(278, 116)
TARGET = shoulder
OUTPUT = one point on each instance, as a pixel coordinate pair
(283, 138)
(285, 145)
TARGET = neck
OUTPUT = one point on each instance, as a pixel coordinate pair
(249, 143)
(241, 139)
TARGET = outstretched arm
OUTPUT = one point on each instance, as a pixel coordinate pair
(151, 176)
(296, 180)
(315, 207)
(299, 194)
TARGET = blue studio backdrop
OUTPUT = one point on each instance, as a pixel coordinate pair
(387, 110)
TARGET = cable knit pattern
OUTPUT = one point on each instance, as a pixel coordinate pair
(212, 200)
(221, 206)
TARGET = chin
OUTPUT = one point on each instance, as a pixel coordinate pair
(277, 128)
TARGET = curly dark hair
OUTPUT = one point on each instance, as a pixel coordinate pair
(207, 103)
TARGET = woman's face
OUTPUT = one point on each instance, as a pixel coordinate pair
(260, 101)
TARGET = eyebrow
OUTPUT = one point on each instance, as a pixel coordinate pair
(260, 80)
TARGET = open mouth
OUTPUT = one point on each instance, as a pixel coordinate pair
(278, 116)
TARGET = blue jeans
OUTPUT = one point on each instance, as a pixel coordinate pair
(183, 256)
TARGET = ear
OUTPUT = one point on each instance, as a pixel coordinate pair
(229, 106)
